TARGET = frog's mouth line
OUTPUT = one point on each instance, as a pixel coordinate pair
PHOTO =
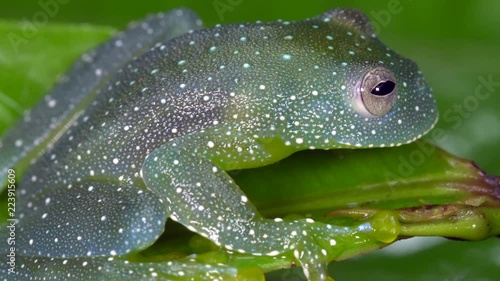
(345, 144)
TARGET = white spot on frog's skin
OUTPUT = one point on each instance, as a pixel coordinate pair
(115, 161)
(246, 65)
(18, 143)
(262, 87)
(273, 253)
(51, 103)
(210, 144)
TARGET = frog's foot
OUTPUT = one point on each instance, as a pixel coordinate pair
(384, 225)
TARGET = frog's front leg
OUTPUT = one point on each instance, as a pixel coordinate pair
(188, 174)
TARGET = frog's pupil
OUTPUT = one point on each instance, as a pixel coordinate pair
(383, 88)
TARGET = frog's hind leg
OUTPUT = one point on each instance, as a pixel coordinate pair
(90, 231)
(75, 90)
(203, 197)
(89, 219)
(105, 268)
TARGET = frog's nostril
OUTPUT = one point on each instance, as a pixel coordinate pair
(383, 88)
(420, 83)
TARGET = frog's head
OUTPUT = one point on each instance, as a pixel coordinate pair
(362, 94)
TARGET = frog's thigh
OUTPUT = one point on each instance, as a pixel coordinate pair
(205, 199)
(90, 219)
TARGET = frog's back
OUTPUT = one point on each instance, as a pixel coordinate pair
(228, 74)
(43, 124)
(253, 75)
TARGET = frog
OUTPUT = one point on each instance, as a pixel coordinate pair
(148, 126)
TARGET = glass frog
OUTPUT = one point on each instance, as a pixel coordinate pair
(146, 126)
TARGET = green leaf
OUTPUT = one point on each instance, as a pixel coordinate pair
(31, 62)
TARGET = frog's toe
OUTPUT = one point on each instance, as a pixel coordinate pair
(94, 219)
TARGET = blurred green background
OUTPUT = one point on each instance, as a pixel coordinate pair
(457, 46)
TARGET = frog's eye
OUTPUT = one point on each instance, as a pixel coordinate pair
(376, 93)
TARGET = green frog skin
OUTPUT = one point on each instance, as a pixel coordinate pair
(138, 133)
